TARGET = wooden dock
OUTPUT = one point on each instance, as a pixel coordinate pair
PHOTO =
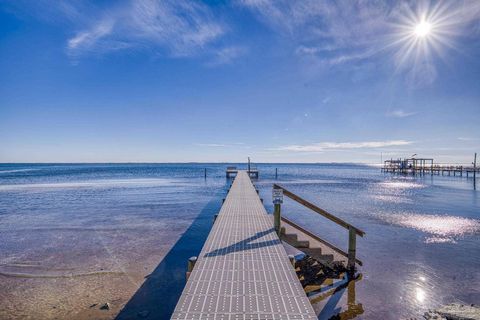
(422, 166)
(233, 171)
(243, 271)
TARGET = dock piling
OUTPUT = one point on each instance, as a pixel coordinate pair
(291, 257)
(191, 264)
(352, 248)
(277, 217)
(475, 172)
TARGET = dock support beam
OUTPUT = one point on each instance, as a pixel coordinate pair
(277, 217)
(352, 248)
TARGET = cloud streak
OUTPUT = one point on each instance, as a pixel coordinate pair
(325, 146)
(222, 145)
(333, 33)
(400, 114)
(179, 28)
(226, 55)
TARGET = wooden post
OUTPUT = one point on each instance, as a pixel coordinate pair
(248, 166)
(475, 172)
(276, 173)
(205, 173)
(191, 264)
(276, 218)
(352, 248)
(291, 257)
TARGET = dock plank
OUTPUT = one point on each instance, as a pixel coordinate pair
(243, 271)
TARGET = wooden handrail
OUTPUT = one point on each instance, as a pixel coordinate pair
(310, 234)
(324, 213)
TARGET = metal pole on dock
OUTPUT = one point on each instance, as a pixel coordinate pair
(248, 165)
(276, 173)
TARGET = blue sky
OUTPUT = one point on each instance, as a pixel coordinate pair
(280, 81)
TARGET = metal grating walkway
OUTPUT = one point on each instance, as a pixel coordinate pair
(243, 271)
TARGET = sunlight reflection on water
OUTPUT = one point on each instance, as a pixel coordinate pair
(107, 183)
(399, 185)
(420, 294)
(442, 228)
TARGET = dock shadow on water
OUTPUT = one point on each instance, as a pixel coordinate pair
(158, 295)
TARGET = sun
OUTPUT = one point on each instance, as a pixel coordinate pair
(423, 29)
(422, 33)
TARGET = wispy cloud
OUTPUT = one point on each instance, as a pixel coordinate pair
(222, 145)
(331, 33)
(211, 145)
(335, 32)
(226, 55)
(324, 146)
(88, 39)
(400, 114)
(181, 28)
(468, 139)
(163, 27)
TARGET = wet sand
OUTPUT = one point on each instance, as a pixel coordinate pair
(71, 274)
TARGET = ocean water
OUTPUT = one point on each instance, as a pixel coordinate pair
(73, 236)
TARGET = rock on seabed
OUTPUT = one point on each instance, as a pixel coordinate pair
(105, 306)
(455, 311)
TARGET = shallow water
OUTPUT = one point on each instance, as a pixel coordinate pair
(72, 236)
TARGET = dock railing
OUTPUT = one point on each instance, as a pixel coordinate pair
(352, 230)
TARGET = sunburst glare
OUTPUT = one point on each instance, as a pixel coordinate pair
(421, 34)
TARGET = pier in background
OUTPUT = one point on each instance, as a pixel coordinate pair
(428, 166)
